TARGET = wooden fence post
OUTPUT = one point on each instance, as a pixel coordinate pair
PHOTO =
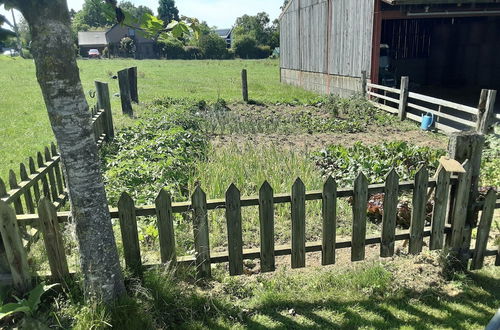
(52, 176)
(329, 213)
(364, 78)
(441, 200)
(124, 84)
(14, 249)
(234, 230)
(104, 102)
(266, 217)
(244, 85)
(165, 224)
(52, 239)
(359, 218)
(45, 182)
(28, 198)
(485, 110)
(57, 169)
(130, 236)
(391, 197)
(132, 79)
(201, 233)
(403, 98)
(298, 206)
(418, 212)
(483, 230)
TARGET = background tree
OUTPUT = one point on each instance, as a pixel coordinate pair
(134, 11)
(285, 3)
(167, 11)
(93, 15)
(58, 76)
(213, 47)
(256, 27)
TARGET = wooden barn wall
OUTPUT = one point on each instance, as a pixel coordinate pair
(289, 40)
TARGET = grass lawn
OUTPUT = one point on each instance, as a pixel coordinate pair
(26, 129)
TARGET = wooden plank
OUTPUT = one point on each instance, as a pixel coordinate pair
(36, 188)
(439, 114)
(124, 85)
(298, 207)
(266, 218)
(384, 97)
(360, 200)
(54, 245)
(52, 177)
(234, 230)
(28, 199)
(57, 169)
(485, 111)
(201, 233)
(403, 98)
(329, 213)
(132, 78)
(391, 198)
(104, 102)
(460, 207)
(130, 236)
(451, 165)
(43, 178)
(165, 224)
(439, 214)
(244, 85)
(444, 103)
(483, 231)
(18, 205)
(384, 107)
(14, 249)
(384, 88)
(418, 212)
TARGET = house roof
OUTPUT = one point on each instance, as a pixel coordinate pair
(92, 38)
(430, 2)
(224, 33)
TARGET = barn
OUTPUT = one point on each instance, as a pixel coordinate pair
(448, 48)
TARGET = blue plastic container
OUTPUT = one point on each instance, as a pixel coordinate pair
(427, 121)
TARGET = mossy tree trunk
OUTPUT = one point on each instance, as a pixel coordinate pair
(58, 76)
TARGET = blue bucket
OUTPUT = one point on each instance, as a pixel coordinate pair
(427, 121)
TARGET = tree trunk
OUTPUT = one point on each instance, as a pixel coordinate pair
(58, 77)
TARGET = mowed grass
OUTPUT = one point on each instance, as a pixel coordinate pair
(26, 129)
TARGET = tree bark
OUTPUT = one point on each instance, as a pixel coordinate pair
(70, 118)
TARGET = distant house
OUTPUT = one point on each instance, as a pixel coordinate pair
(227, 35)
(91, 40)
(144, 48)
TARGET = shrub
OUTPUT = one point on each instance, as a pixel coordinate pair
(173, 49)
(193, 53)
(246, 47)
(213, 47)
(127, 46)
(264, 51)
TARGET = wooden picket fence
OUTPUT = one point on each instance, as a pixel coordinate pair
(449, 116)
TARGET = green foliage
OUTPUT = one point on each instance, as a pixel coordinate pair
(127, 46)
(258, 27)
(246, 47)
(29, 305)
(159, 151)
(490, 165)
(167, 11)
(345, 163)
(172, 49)
(213, 47)
(93, 14)
(138, 11)
(193, 53)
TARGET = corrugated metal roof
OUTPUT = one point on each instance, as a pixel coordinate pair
(92, 38)
(223, 32)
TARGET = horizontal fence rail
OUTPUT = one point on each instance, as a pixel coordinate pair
(449, 116)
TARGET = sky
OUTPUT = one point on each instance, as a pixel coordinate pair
(219, 13)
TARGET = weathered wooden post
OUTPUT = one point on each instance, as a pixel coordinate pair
(403, 98)
(132, 78)
(466, 146)
(124, 84)
(485, 110)
(363, 83)
(104, 102)
(244, 85)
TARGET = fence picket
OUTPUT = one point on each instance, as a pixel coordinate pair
(165, 223)
(234, 230)
(14, 249)
(360, 199)
(57, 169)
(23, 174)
(201, 233)
(130, 237)
(390, 206)
(132, 77)
(440, 209)
(3, 189)
(52, 239)
(104, 102)
(45, 183)
(483, 231)
(52, 177)
(460, 207)
(36, 188)
(124, 84)
(298, 207)
(418, 212)
(18, 205)
(266, 217)
(329, 214)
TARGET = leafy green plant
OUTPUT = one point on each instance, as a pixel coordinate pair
(490, 165)
(29, 305)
